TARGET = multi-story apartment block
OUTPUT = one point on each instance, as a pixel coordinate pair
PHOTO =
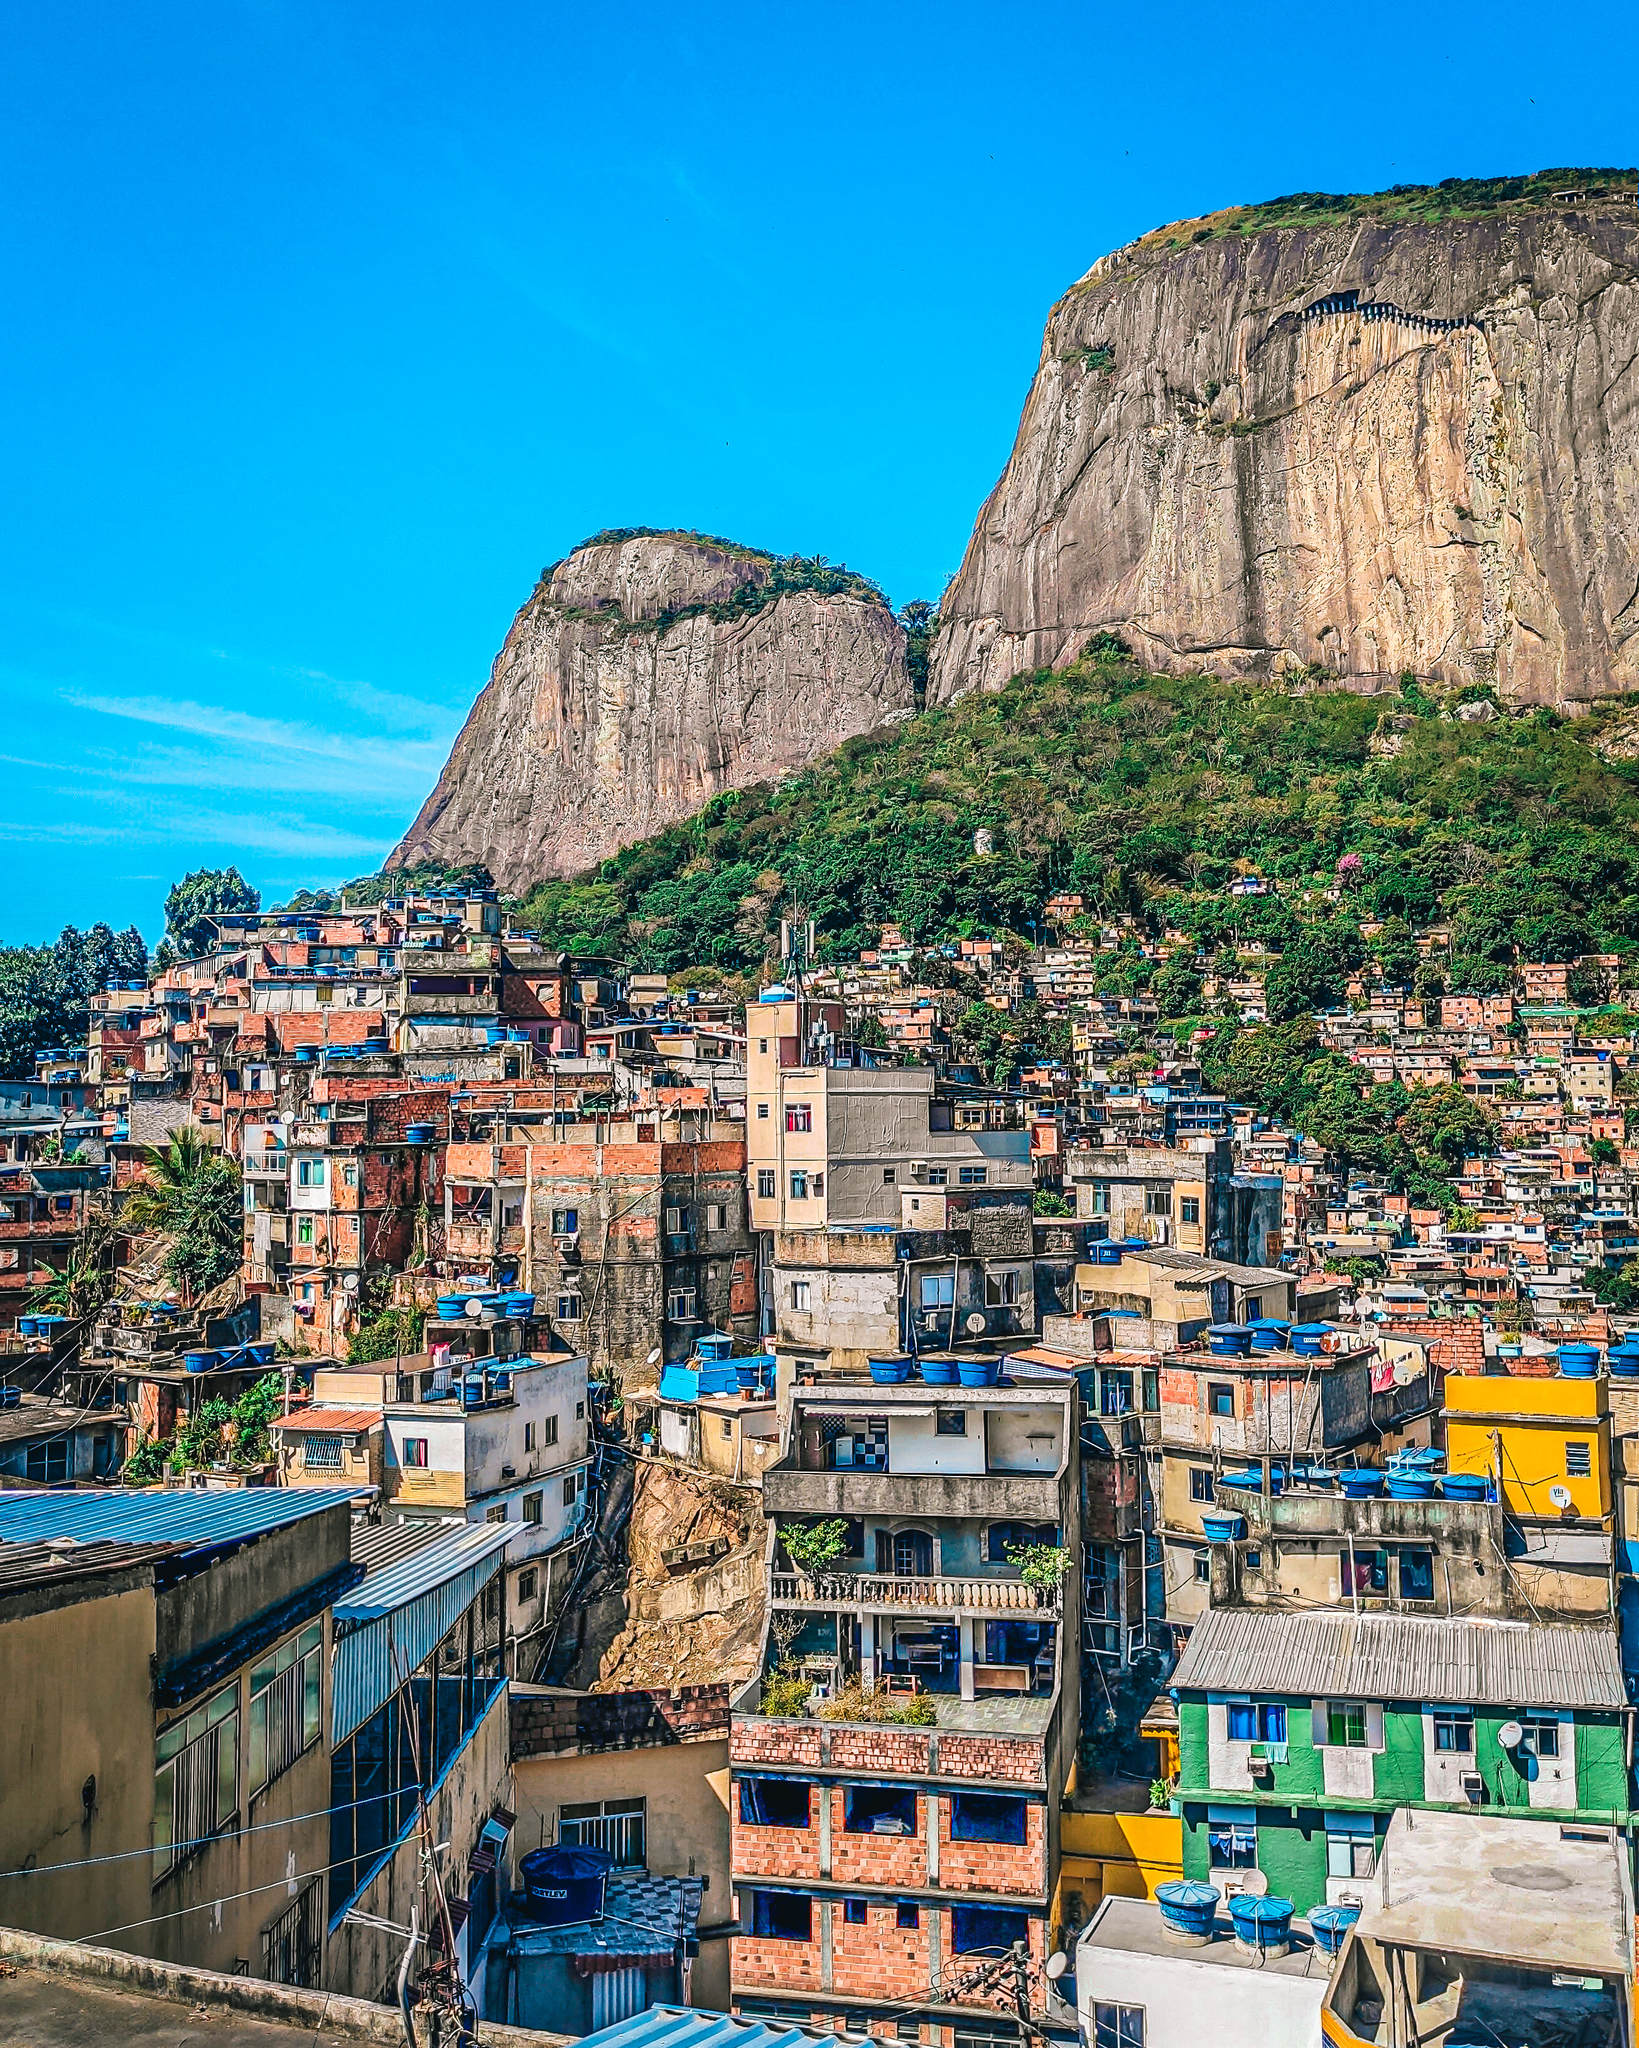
(1155, 1194)
(896, 1861)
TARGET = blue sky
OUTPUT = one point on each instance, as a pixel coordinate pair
(327, 326)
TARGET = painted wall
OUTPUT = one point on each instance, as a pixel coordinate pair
(1249, 2007)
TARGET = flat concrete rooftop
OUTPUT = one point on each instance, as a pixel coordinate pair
(1134, 1927)
(1533, 1893)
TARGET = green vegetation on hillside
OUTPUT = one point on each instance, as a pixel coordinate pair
(1146, 795)
(46, 991)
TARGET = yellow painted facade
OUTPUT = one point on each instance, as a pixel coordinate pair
(1541, 1434)
(1113, 1855)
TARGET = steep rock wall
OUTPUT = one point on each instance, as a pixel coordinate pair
(607, 715)
(1368, 446)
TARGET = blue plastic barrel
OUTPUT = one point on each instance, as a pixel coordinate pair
(890, 1372)
(1269, 1333)
(1365, 1484)
(938, 1372)
(1261, 1922)
(1465, 1486)
(1223, 1528)
(1579, 1361)
(1307, 1338)
(978, 1372)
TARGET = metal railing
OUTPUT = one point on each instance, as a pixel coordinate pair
(912, 1595)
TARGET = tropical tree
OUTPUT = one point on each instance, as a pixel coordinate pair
(193, 906)
(193, 1195)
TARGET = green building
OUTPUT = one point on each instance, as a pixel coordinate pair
(1301, 1733)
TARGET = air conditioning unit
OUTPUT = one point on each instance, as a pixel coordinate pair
(1473, 1788)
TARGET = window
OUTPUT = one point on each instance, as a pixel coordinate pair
(782, 1916)
(1189, 1209)
(321, 1453)
(680, 1305)
(1541, 1734)
(349, 1176)
(937, 1176)
(817, 1184)
(1416, 1575)
(196, 1780)
(569, 1308)
(799, 1187)
(1345, 1724)
(293, 1944)
(310, 1173)
(569, 1491)
(762, 1111)
(1200, 1482)
(799, 1116)
(762, 1045)
(802, 1296)
(1232, 1837)
(1118, 2026)
(496, 1513)
(775, 1802)
(1220, 1397)
(549, 1430)
(887, 1182)
(716, 1216)
(991, 1928)
(1158, 1201)
(284, 1706)
(950, 1422)
(304, 1229)
(415, 1453)
(529, 1436)
(1257, 1721)
(1254, 1560)
(47, 1462)
(1100, 1198)
(987, 1817)
(853, 1911)
(1351, 1845)
(1203, 1566)
(532, 1507)
(765, 1183)
(878, 1810)
(619, 1825)
(972, 1176)
(936, 1290)
(1578, 1461)
(1454, 1731)
(528, 1585)
(1002, 1289)
(566, 1223)
(907, 1913)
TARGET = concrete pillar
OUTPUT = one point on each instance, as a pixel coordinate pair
(824, 1793)
(932, 1805)
(964, 1643)
(867, 1650)
(826, 1967)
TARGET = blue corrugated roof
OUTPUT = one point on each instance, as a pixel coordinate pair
(397, 1616)
(671, 2026)
(199, 1520)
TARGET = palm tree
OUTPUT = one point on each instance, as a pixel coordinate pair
(173, 1173)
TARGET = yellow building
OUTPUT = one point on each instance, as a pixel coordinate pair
(1547, 1440)
(1112, 1855)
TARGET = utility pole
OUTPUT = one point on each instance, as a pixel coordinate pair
(1021, 1990)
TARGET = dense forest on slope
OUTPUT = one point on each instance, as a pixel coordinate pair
(46, 991)
(1146, 795)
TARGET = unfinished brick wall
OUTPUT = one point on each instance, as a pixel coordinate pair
(758, 1964)
(770, 1852)
(880, 1960)
(1018, 1867)
(564, 1724)
(898, 1862)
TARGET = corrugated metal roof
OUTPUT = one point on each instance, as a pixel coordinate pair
(194, 1520)
(1402, 1657)
(379, 1543)
(397, 1615)
(330, 1421)
(671, 2026)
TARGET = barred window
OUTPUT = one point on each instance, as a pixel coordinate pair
(293, 1945)
(284, 1705)
(196, 1780)
(323, 1454)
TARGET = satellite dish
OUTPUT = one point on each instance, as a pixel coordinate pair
(1057, 1964)
(1510, 1735)
(653, 1357)
(1560, 1496)
(474, 1308)
(1254, 1883)
(351, 1282)
(974, 1324)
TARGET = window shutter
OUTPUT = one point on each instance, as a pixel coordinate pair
(1374, 1725)
(1317, 1724)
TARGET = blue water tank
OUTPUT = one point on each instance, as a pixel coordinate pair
(1579, 1361)
(1308, 1337)
(1229, 1340)
(1188, 1908)
(1329, 1924)
(1264, 1923)
(565, 1885)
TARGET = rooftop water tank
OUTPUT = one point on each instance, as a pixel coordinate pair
(1188, 1910)
(1579, 1361)
(1329, 1924)
(1229, 1340)
(1264, 1925)
(1307, 1338)
(565, 1884)
(714, 1344)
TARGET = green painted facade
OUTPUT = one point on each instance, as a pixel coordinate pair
(1291, 1802)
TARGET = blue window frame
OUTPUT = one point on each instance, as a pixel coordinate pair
(1257, 1721)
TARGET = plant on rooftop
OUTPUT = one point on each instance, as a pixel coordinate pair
(785, 1694)
(253, 1415)
(857, 1701)
(814, 1546)
(1049, 1202)
(146, 1464)
(391, 1334)
(1040, 1564)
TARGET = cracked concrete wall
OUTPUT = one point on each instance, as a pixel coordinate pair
(1442, 477)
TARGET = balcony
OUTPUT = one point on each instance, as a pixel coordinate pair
(885, 1593)
(961, 1496)
(268, 1165)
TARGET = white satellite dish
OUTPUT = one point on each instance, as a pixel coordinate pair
(974, 1324)
(351, 1282)
(1560, 1496)
(653, 1357)
(1510, 1735)
(474, 1308)
(1253, 1883)
(1057, 1964)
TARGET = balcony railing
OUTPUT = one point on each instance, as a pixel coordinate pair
(883, 1591)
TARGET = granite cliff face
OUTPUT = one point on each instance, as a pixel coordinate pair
(1366, 444)
(645, 674)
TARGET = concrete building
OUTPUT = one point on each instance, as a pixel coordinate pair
(1476, 1927)
(165, 1661)
(1301, 1733)
(1138, 1986)
(1163, 1195)
(888, 1858)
